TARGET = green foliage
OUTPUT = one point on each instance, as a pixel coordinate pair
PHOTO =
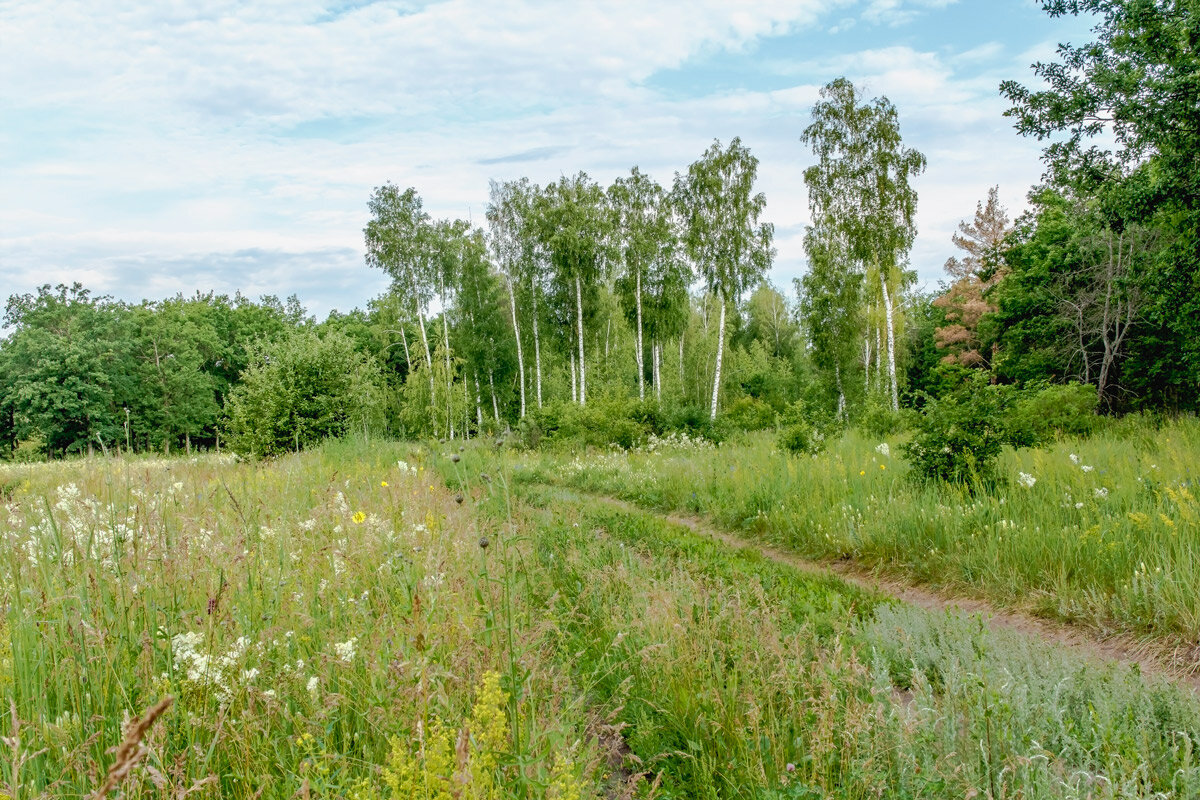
(748, 414)
(806, 428)
(878, 419)
(1041, 412)
(300, 390)
(958, 437)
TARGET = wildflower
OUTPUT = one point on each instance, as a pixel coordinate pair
(345, 650)
(862, 472)
(1074, 458)
(358, 517)
(383, 484)
(1079, 505)
(883, 466)
(1087, 468)
(1026, 480)
(883, 450)
(314, 683)
(1100, 493)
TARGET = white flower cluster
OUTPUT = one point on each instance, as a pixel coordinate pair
(405, 468)
(209, 671)
(1026, 480)
(345, 650)
(675, 440)
(883, 450)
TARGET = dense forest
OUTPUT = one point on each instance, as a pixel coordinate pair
(605, 313)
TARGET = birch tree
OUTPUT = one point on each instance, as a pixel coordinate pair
(859, 189)
(646, 243)
(573, 229)
(722, 234)
(398, 242)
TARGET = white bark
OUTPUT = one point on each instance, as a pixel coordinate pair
(867, 364)
(495, 405)
(478, 403)
(641, 367)
(404, 340)
(681, 363)
(574, 385)
(657, 352)
(537, 342)
(449, 374)
(579, 320)
(841, 406)
(891, 341)
(717, 373)
(428, 354)
(512, 299)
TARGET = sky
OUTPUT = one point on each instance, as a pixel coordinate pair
(172, 146)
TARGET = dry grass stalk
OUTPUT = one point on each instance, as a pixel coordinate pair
(130, 751)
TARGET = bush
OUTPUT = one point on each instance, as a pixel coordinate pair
(299, 391)
(748, 414)
(877, 418)
(958, 437)
(1042, 411)
(806, 428)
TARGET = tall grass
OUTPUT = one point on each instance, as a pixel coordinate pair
(1105, 536)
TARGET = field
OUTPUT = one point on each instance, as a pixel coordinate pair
(385, 620)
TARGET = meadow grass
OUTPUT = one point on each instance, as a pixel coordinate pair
(331, 625)
(1105, 536)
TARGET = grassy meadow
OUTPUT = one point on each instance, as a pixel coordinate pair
(1100, 531)
(380, 620)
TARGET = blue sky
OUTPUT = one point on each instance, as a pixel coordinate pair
(162, 147)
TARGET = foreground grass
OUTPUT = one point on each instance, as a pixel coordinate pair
(332, 625)
(1106, 536)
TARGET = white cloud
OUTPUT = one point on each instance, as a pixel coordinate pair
(173, 146)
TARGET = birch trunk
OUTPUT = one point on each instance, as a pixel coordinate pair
(717, 373)
(449, 375)
(512, 300)
(841, 406)
(478, 403)
(641, 367)
(428, 354)
(537, 342)
(404, 341)
(574, 391)
(657, 351)
(891, 342)
(579, 322)
(495, 405)
(867, 363)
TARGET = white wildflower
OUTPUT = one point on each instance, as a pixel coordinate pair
(1087, 468)
(1026, 480)
(1074, 458)
(883, 450)
(314, 683)
(1100, 493)
(345, 650)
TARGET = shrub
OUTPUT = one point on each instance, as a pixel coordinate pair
(958, 437)
(877, 418)
(806, 427)
(298, 391)
(1042, 411)
(748, 414)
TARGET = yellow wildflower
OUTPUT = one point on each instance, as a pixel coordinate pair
(862, 472)
(358, 517)
(383, 484)
(883, 466)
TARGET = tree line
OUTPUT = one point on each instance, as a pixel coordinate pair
(652, 295)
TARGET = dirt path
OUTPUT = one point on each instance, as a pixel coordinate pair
(1151, 660)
